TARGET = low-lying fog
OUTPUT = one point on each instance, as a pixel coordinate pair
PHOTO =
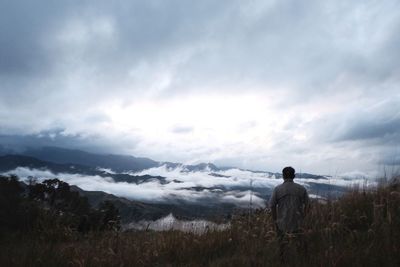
(226, 186)
(171, 223)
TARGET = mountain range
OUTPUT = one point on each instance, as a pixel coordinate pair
(143, 188)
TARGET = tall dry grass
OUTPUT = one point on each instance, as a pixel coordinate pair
(362, 228)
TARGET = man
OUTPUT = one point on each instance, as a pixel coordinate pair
(288, 203)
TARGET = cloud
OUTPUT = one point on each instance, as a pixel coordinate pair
(228, 186)
(373, 129)
(182, 129)
(391, 159)
(378, 122)
(151, 191)
(253, 84)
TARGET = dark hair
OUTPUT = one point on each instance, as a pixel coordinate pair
(288, 173)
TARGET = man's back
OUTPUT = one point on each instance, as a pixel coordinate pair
(290, 200)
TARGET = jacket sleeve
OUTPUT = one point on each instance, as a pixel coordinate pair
(273, 201)
(306, 200)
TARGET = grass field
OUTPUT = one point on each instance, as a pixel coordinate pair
(362, 228)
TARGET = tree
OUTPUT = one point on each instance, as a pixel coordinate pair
(110, 216)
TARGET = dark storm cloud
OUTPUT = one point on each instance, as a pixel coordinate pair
(391, 158)
(278, 42)
(73, 52)
(144, 29)
(24, 25)
(19, 143)
(376, 124)
(371, 129)
(63, 63)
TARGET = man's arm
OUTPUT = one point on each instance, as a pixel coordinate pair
(272, 205)
(273, 211)
(306, 203)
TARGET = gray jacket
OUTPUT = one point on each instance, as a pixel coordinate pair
(290, 201)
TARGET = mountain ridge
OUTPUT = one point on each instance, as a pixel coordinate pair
(75, 156)
(124, 163)
(173, 186)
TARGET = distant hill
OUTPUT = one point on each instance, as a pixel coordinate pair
(188, 191)
(131, 210)
(117, 163)
(11, 162)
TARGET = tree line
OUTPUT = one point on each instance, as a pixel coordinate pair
(51, 206)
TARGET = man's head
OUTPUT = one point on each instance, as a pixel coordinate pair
(288, 173)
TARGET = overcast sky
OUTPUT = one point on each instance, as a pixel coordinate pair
(254, 84)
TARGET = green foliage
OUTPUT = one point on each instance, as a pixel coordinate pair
(16, 213)
(50, 209)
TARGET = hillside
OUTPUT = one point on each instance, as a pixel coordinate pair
(188, 191)
(362, 228)
(71, 156)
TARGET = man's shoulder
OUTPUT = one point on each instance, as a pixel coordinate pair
(290, 186)
(300, 187)
(279, 187)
